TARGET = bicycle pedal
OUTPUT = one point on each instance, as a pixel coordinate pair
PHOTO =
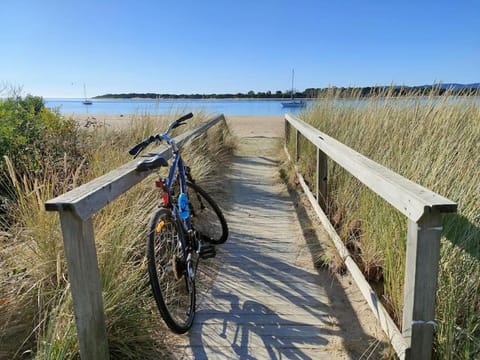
(207, 251)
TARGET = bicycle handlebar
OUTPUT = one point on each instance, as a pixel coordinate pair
(184, 118)
(140, 146)
(144, 143)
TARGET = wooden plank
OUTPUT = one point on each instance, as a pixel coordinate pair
(278, 285)
(285, 308)
(297, 146)
(321, 176)
(387, 324)
(261, 319)
(87, 199)
(270, 299)
(256, 348)
(423, 253)
(85, 285)
(409, 198)
(287, 132)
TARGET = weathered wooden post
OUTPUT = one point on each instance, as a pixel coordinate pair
(322, 174)
(297, 145)
(85, 285)
(287, 133)
(423, 253)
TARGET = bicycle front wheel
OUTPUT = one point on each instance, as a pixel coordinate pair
(206, 217)
(173, 289)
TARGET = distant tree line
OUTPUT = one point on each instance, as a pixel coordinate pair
(395, 91)
(313, 93)
(250, 95)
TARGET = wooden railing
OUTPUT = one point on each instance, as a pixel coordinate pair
(424, 210)
(76, 209)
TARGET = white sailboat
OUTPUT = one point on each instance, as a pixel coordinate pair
(85, 101)
(293, 102)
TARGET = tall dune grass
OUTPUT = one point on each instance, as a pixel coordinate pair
(36, 311)
(433, 141)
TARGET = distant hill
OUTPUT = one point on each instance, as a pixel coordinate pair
(438, 89)
(457, 87)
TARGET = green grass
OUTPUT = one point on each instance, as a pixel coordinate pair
(434, 142)
(36, 313)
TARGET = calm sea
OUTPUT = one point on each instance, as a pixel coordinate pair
(129, 106)
(227, 107)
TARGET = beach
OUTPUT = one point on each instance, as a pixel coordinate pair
(241, 125)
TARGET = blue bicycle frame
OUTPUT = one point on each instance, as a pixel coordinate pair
(180, 213)
(177, 163)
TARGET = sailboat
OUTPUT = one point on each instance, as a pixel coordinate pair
(294, 103)
(86, 101)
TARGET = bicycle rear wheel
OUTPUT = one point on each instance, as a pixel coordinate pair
(205, 215)
(173, 289)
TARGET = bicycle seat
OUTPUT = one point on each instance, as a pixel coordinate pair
(151, 163)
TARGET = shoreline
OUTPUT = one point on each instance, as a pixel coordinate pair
(177, 99)
(198, 99)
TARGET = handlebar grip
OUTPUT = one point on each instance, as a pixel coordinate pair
(137, 148)
(140, 146)
(185, 117)
(180, 121)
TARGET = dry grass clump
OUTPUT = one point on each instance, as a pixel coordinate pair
(36, 311)
(434, 142)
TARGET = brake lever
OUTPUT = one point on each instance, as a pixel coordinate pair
(178, 124)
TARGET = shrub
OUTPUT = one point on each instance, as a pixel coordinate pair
(36, 310)
(36, 140)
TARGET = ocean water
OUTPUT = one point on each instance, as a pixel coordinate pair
(141, 106)
(227, 107)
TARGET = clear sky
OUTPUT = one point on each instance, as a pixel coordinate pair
(53, 47)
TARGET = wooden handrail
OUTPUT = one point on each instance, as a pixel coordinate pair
(410, 198)
(422, 207)
(87, 199)
(76, 208)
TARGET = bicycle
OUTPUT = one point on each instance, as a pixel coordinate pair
(184, 228)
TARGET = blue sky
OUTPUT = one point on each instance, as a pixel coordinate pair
(52, 47)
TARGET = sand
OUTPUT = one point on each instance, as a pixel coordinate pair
(256, 126)
(109, 120)
(241, 125)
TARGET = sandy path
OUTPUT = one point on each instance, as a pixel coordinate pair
(256, 126)
(268, 300)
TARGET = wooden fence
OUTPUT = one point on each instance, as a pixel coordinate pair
(424, 210)
(76, 209)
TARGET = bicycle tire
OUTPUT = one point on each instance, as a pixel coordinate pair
(205, 215)
(173, 290)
